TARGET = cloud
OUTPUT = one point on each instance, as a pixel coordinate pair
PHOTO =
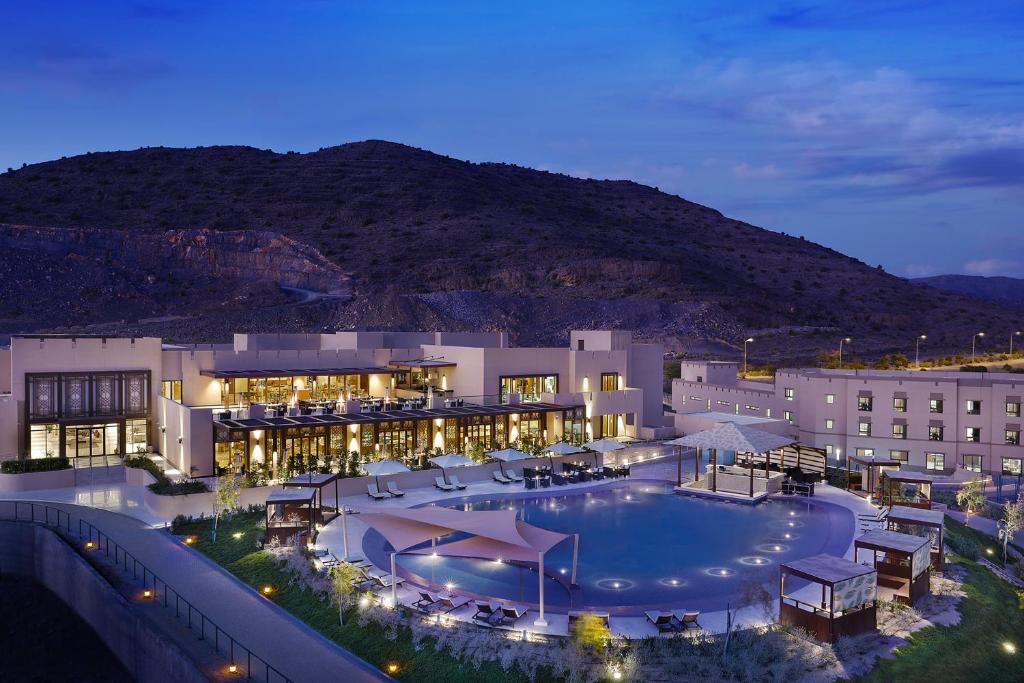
(745, 171)
(72, 70)
(991, 266)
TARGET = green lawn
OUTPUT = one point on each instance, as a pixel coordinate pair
(991, 614)
(240, 557)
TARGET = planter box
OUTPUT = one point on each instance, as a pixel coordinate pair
(37, 481)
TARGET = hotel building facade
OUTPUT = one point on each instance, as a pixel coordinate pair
(958, 423)
(267, 399)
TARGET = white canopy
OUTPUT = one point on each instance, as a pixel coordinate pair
(604, 445)
(451, 460)
(509, 455)
(729, 436)
(384, 467)
(562, 448)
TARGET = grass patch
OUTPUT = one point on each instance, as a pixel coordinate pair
(991, 614)
(236, 551)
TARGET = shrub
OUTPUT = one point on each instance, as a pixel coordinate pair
(34, 465)
(164, 486)
(963, 546)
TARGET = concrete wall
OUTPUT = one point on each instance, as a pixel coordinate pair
(5, 370)
(37, 481)
(194, 428)
(10, 427)
(38, 553)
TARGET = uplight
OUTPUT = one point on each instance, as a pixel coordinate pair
(449, 586)
(562, 570)
(1010, 648)
(237, 535)
(364, 601)
(392, 668)
(233, 669)
(989, 551)
(616, 675)
(147, 593)
(267, 590)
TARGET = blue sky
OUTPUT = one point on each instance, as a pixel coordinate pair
(891, 131)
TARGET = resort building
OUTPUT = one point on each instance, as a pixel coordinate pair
(953, 423)
(269, 399)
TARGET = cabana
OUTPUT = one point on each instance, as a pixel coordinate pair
(740, 439)
(292, 512)
(489, 534)
(317, 481)
(871, 467)
(918, 522)
(847, 598)
(902, 562)
(893, 483)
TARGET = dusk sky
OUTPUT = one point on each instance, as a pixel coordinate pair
(891, 131)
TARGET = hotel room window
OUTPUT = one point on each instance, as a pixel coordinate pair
(788, 394)
(935, 433)
(935, 461)
(972, 434)
(829, 449)
(789, 416)
(609, 381)
(899, 405)
(171, 389)
(864, 429)
(935, 405)
(1012, 437)
(830, 398)
(972, 463)
(1011, 466)
(864, 404)
(1013, 409)
(899, 456)
(899, 431)
(973, 407)
(829, 424)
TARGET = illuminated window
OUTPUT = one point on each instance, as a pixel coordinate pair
(972, 463)
(972, 434)
(1011, 466)
(935, 461)
(864, 429)
(899, 405)
(864, 403)
(899, 456)
(899, 431)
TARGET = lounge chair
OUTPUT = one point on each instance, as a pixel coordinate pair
(501, 479)
(439, 483)
(485, 613)
(451, 603)
(387, 580)
(394, 490)
(663, 621)
(374, 492)
(456, 483)
(687, 620)
(426, 602)
(510, 614)
(511, 474)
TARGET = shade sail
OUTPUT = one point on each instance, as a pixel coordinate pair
(604, 445)
(385, 467)
(509, 455)
(451, 460)
(733, 437)
(562, 448)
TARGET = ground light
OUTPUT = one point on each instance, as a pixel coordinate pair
(147, 593)
(188, 540)
(237, 535)
(89, 545)
(233, 669)
(616, 675)
(1010, 648)
(392, 667)
(267, 589)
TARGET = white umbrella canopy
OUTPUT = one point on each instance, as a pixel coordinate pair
(451, 460)
(603, 446)
(384, 467)
(508, 455)
(563, 448)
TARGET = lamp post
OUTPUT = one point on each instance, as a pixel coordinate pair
(750, 339)
(974, 341)
(1015, 334)
(847, 340)
(917, 350)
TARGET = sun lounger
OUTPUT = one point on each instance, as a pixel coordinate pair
(485, 615)
(510, 614)
(394, 490)
(373, 492)
(663, 621)
(511, 474)
(452, 603)
(687, 620)
(456, 483)
(498, 477)
(386, 580)
(426, 602)
(439, 483)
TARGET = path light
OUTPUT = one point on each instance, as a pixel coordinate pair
(237, 535)
(616, 675)
(267, 589)
(148, 593)
(1010, 648)
(189, 540)
(89, 545)
(392, 667)
(233, 669)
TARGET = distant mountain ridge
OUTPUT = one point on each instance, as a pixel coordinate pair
(420, 240)
(1005, 291)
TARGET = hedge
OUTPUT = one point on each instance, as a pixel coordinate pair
(34, 465)
(164, 486)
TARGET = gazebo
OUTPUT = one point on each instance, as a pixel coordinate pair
(292, 512)
(919, 522)
(489, 534)
(729, 436)
(845, 605)
(317, 481)
(872, 467)
(892, 488)
(902, 562)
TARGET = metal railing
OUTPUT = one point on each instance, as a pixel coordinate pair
(96, 541)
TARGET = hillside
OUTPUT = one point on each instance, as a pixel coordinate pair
(1004, 291)
(415, 239)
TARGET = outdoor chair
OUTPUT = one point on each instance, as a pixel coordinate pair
(374, 492)
(609, 472)
(545, 482)
(597, 474)
(394, 490)
(510, 614)
(512, 476)
(456, 483)
(687, 620)
(501, 479)
(485, 613)
(439, 483)
(386, 580)
(662, 621)
(426, 602)
(451, 603)
(531, 482)
(558, 479)
(585, 476)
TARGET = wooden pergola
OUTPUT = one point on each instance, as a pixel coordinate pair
(292, 512)
(918, 522)
(892, 495)
(903, 562)
(847, 604)
(871, 465)
(318, 481)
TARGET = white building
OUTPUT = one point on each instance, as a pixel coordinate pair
(964, 423)
(266, 399)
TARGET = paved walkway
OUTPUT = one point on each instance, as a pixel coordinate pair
(295, 649)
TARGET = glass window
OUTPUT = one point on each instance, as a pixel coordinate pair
(1011, 466)
(529, 387)
(864, 429)
(1012, 409)
(899, 405)
(935, 405)
(788, 414)
(899, 431)
(972, 434)
(829, 448)
(1012, 437)
(972, 463)
(973, 407)
(44, 441)
(899, 456)
(830, 398)
(829, 423)
(935, 461)
(609, 381)
(788, 394)
(935, 433)
(136, 436)
(171, 389)
(866, 452)
(864, 403)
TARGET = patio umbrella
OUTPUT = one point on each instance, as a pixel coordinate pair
(561, 448)
(508, 455)
(451, 460)
(385, 467)
(603, 446)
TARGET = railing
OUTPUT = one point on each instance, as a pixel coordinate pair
(96, 540)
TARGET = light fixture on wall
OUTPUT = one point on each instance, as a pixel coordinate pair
(181, 439)
(257, 441)
(163, 429)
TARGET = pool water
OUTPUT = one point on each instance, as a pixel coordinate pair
(641, 546)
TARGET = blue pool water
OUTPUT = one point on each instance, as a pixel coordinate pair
(641, 546)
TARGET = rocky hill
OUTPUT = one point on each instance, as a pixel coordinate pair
(1005, 291)
(414, 239)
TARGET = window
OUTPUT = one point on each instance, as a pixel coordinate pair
(829, 424)
(788, 394)
(864, 403)
(829, 449)
(866, 452)
(1012, 437)
(136, 436)
(935, 433)
(788, 415)
(1013, 408)
(899, 431)
(610, 381)
(899, 405)
(935, 461)
(972, 463)
(529, 387)
(972, 434)
(171, 388)
(830, 398)
(935, 405)
(864, 429)
(899, 456)
(1011, 466)
(973, 407)
(44, 441)
(767, 412)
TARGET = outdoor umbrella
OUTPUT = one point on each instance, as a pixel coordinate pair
(451, 460)
(561, 448)
(603, 446)
(385, 467)
(508, 455)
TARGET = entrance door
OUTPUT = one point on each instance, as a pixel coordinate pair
(92, 445)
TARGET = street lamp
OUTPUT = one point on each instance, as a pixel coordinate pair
(1015, 334)
(750, 339)
(974, 341)
(847, 340)
(917, 350)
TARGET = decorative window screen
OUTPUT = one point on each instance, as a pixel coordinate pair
(922, 558)
(855, 592)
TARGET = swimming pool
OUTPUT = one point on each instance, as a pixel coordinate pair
(641, 546)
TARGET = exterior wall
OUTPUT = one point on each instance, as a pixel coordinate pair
(712, 372)
(600, 340)
(10, 427)
(5, 370)
(194, 427)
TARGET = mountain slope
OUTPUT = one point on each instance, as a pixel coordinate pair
(1005, 291)
(431, 241)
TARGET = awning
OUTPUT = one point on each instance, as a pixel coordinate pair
(423, 363)
(292, 495)
(297, 372)
(729, 436)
